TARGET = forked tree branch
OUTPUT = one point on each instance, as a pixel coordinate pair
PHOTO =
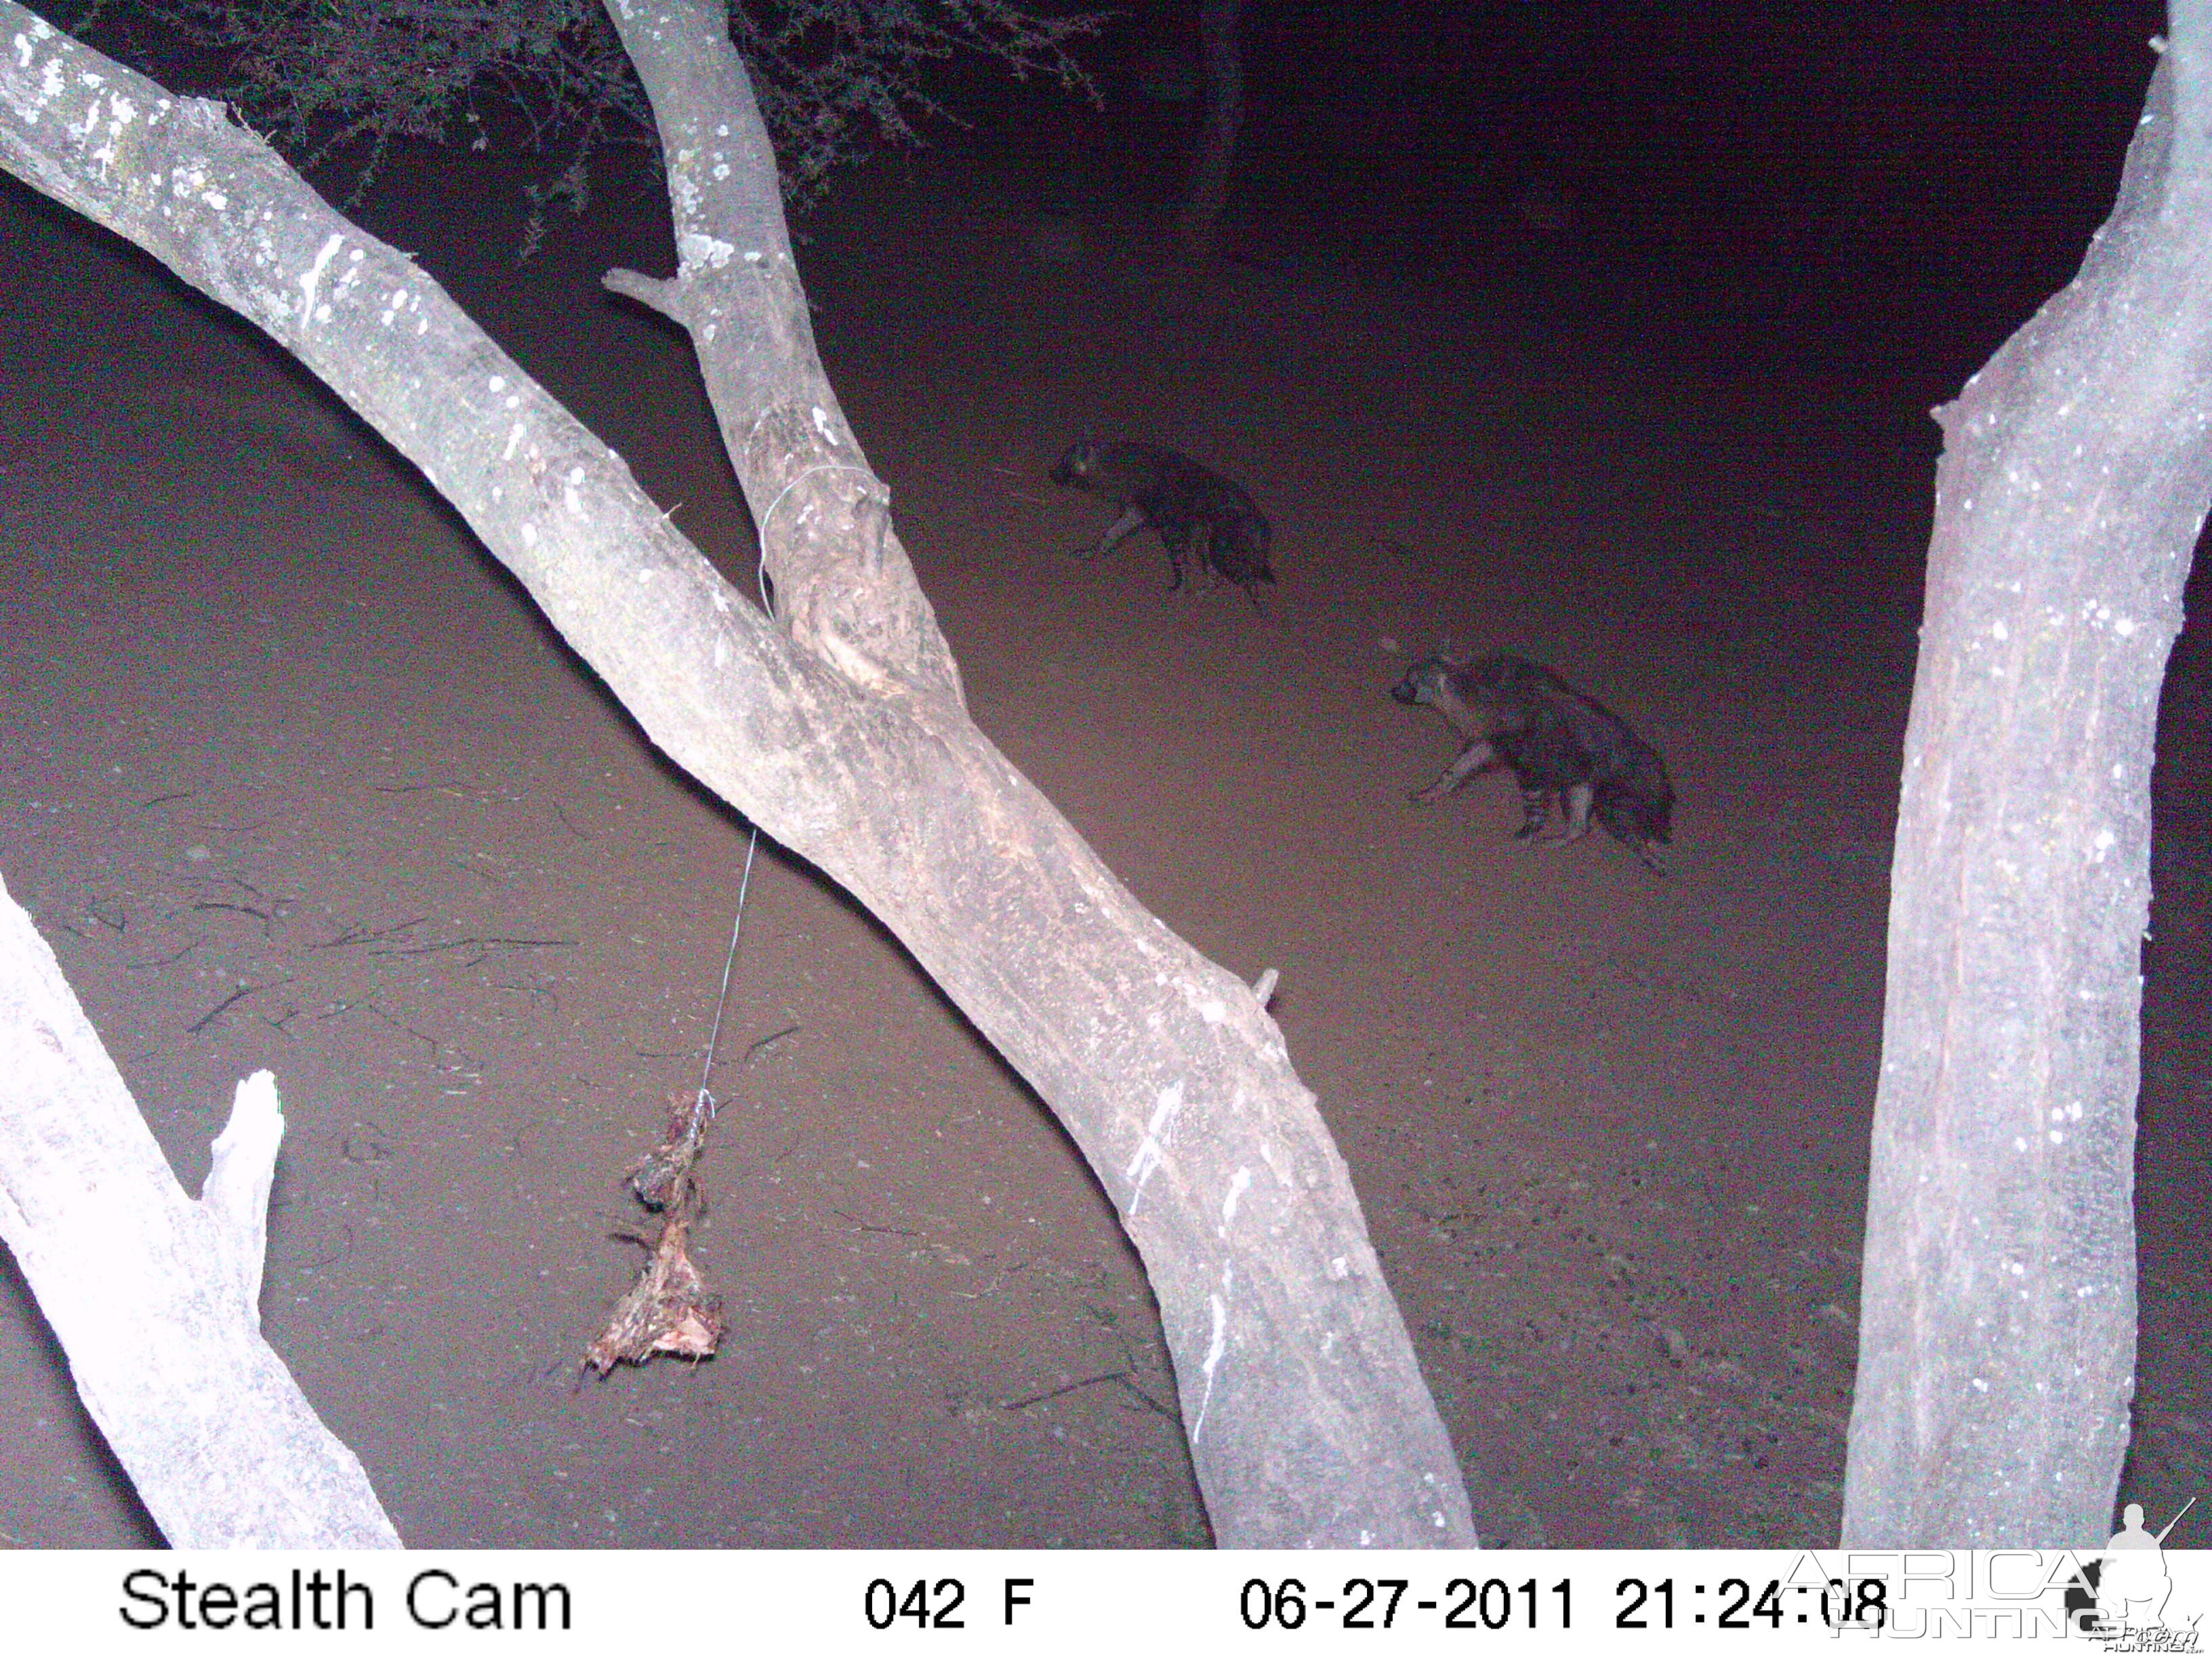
(155, 1296)
(845, 738)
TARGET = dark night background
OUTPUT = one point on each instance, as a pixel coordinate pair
(1603, 333)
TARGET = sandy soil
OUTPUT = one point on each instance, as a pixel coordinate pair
(291, 775)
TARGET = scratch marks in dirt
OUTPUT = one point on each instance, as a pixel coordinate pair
(392, 941)
(227, 1003)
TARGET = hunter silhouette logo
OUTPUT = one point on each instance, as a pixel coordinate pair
(2120, 1597)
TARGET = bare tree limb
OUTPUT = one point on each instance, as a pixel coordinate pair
(1199, 226)
(1998, 1323)
(846, 739)
(844, 588)
(156, 1297)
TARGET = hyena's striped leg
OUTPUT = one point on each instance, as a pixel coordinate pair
(1477, 756)
(1576, 801)
(1202, 571)
(1535, 808)
(1119, 531)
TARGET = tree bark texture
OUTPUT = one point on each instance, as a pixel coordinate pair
(1222, 122)
(1998, 1319)
(156, 1297)
(838, 727)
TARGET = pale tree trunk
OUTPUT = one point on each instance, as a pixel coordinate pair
(155, 1296)
(839, 728)
(1997, 1333)
(1223, 119)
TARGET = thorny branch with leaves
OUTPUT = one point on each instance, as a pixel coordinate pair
(321, 75)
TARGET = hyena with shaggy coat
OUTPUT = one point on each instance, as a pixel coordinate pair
(1197, 514)
(1555, 740)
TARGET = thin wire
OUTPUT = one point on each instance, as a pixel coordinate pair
(824, 466)
(760, 529)
(705, 1106)
(706, 1100)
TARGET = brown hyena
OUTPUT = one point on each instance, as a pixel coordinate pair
(1555, 740)
(1197, 514)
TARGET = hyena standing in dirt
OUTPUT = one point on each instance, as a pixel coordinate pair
(1197, 514)
(1555, 740)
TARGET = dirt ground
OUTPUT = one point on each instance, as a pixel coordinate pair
(292, 775)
